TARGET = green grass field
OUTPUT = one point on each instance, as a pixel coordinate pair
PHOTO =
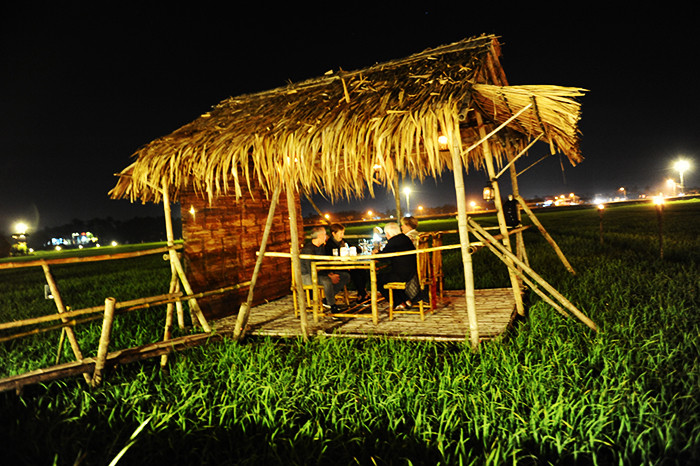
(551, 392)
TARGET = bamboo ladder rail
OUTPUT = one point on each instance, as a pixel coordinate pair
(123, 356)
(511, 261)
(121, 308)
(67, 317)
(98, 363)
(67, 331)
(488, 160)
(546, 235)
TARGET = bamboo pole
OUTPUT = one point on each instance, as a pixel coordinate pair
(520, 273)
(178, 305)
(296, 266)
(104, 342)
(60, 345)
(167, 332)
(74, 260)
(70, 334)
(397, 197)
(519, 241)
(455, 152)
(244, 310)
(194, 306)
(488, 159)
(549, 239)
(318, 211)
(550, 289)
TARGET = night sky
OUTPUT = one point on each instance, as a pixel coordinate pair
(83, 87)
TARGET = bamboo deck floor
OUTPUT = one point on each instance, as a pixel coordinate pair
(495, 313)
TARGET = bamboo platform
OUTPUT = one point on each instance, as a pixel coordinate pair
(495, 313)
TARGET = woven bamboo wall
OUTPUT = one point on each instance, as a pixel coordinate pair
(221, 241)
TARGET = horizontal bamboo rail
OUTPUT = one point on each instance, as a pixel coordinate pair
(124, 356)
(121, 308)
(96, 258)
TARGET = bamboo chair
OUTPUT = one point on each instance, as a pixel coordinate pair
(436, 270)
(423, 267)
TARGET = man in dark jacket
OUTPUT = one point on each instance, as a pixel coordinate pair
(401, 268)
(331, 281)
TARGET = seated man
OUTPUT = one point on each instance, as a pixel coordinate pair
(401, 268)
(332, 281)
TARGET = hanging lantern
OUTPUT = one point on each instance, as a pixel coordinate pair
(489, 193)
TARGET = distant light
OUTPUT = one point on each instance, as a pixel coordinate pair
(601, 206)
(80, 246)
(442, 141)
(58, 248)
(114, 243)
(21, 228)
(681, 165)
(327, 216)
(659, 200)
(407, 190)
(192, 210)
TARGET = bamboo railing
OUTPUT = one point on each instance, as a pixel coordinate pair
(66, 320)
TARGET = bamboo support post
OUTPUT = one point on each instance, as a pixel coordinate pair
(296, 263)
(550, 289)
(397, 197)
(167, 332)
(519, 241)
(244, 310)
(546, 235)
(60, 345)
(455, 152)
(178, 306)
(104, 342)
(488, 160)
(518, 270)
(70, 334)
(174, 260)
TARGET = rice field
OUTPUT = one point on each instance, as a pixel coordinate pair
(550, 392)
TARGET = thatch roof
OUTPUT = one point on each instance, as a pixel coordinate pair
(331, 133)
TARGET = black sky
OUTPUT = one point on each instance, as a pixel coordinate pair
(82, 87)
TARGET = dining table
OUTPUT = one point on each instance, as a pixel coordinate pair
(347, 262)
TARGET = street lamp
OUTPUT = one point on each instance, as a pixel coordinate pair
(20, 228)
(681, 166)
(407, 192)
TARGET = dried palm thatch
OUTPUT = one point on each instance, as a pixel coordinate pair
(342, 133)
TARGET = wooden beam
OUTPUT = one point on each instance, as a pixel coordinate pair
(455, 152)
(546, 235)
(194, 306)
(244, 310)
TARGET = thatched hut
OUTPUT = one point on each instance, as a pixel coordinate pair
(343, 134)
